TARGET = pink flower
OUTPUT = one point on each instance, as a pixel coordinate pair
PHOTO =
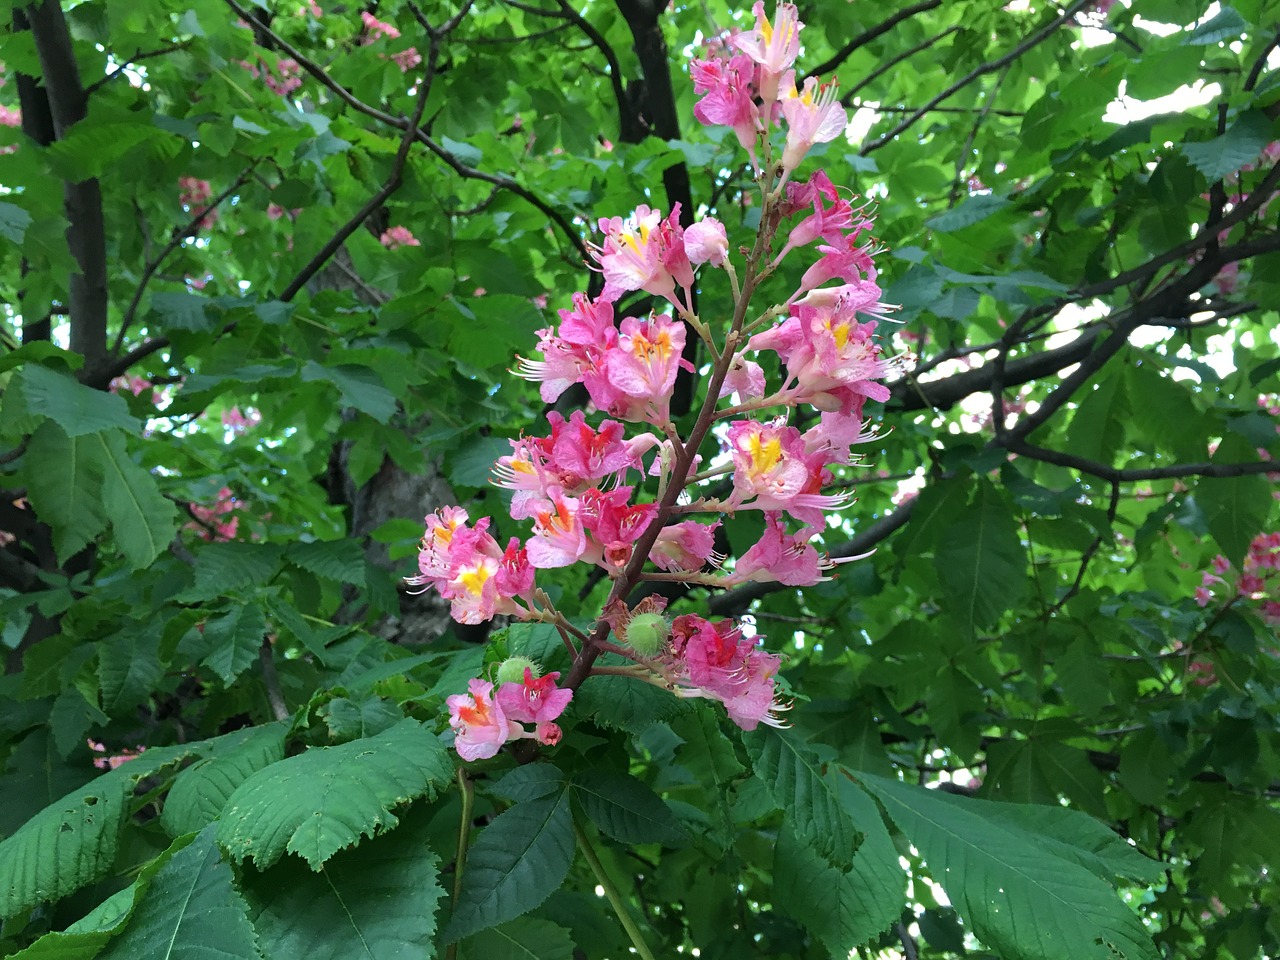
(829, 223)
(774, 471)
(535, 700)
(729, 90)
(212, 525)
(195, 198)
(10, 116)
(782, 557)
(706, 242)
(773, 46)
(813, 115)
(751, 701)
(467, 568)
(714, 660)
(377, 28)
(237, 422)
(829, 354)
(745, 378)
(576, 353)
(615, 523)
(1221, 564)
(559, 537)
(840, 259)
(687, 545)
(395, 237)
(479, 725)
(641, 368)
(644, 252)
(406, 60)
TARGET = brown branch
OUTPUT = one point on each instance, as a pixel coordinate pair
(86, 231)
(889, 64)
(1129, 475)
(626, 116)
(176, 239)
(990, 67)
(879, 30)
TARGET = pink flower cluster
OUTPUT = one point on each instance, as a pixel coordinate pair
(1257, 581)
(395, 237)
(10, 116)
(237, 422)
(482, 721)
(406, 60)
(585, 486)
(194, 197)
(282, 78)
(105, 761)
(752, 89)
(214, 522)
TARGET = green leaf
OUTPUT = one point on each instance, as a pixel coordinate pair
(624, 705)
(1227, 24)
(470, 466)
(129, 667)
(200, 792)
(980, 560)
(65, 486)
(1096, 431)
(36, 393)
(795, 779)
(327, 798)
(529, 782)
(352, 720)
(626, 808)
(1021, 898)
(524, 939)
(73, 841)
(340, 560)
(360, 387)
(376, 902)
(1241, 144)
(518, 861)
(180, 311)
(71, 718)
(843, 907)
(191, 909)
(974, 210)
(234, 640)
(222, 568)
(1236, 509)
(13, 222)
(143, 521)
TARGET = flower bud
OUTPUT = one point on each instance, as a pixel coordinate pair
(512, 670)
(647, 632)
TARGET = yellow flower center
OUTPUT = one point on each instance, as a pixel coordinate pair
(473, 580)
(765, 454)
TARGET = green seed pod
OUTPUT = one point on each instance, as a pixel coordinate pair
(512, 670)
(647, 632)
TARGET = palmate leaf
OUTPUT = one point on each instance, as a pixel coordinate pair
(234, 640)
(1021, 897)
(191, 910)
(844, 908)
(376, 902)
(36, 393)
(794, 777)
(519, 860)
(321, 801)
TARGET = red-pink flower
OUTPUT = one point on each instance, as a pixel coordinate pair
(479, 725)
(535, 700)
(615, 523)
(644, 252)
(752, 701)
(829, 223)
(714, 660)
(745, 378)
(469, 569)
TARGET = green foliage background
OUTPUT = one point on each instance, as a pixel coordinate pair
(1025, 640)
